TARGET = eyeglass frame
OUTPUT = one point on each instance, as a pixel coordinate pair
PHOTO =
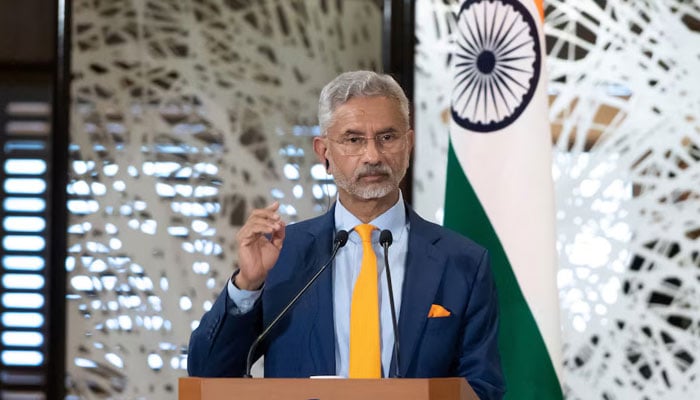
(366, 139)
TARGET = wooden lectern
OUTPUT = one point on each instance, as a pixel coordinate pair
(324, 389)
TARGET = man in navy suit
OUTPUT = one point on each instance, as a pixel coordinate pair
(443, 285)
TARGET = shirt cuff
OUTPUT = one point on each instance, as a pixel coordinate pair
(243, 300)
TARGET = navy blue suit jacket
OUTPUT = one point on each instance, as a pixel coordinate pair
(442, 268)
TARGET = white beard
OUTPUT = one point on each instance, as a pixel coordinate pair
(372, 190)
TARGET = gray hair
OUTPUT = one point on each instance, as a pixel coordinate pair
(358, 84)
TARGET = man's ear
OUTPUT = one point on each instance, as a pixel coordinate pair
(411, 139)
(321, 148)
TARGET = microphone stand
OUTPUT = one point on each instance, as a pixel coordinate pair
(386, 239)
(341, 238)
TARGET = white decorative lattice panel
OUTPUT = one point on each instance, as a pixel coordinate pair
(625, 98)
(184, 116)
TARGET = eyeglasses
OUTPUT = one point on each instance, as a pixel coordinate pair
(355, 145)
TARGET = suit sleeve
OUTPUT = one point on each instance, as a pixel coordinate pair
(479, 361)
(219, 346)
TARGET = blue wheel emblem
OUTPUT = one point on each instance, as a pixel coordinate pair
(497, 64)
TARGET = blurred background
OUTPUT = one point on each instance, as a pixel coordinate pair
(137, 135)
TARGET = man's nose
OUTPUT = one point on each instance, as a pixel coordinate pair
(372, 152)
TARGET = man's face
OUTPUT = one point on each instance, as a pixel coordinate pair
(375, 172)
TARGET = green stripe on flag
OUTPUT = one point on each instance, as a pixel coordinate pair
(527, 366)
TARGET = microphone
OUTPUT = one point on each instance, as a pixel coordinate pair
(385, 239)
(341, 238)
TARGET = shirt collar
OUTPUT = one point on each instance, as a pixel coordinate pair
(393, 219)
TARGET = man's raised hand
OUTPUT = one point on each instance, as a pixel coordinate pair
(259, 244)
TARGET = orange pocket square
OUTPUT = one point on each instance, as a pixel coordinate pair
(438, 311)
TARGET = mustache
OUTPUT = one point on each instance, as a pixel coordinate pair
(369, 169)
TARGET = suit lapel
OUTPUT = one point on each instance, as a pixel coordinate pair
(424, 270)
(322, 335)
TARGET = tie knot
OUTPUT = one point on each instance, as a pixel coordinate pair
(365, 231)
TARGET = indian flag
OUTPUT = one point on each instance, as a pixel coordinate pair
(499, 182)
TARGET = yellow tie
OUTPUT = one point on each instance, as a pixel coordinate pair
(365, 353)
